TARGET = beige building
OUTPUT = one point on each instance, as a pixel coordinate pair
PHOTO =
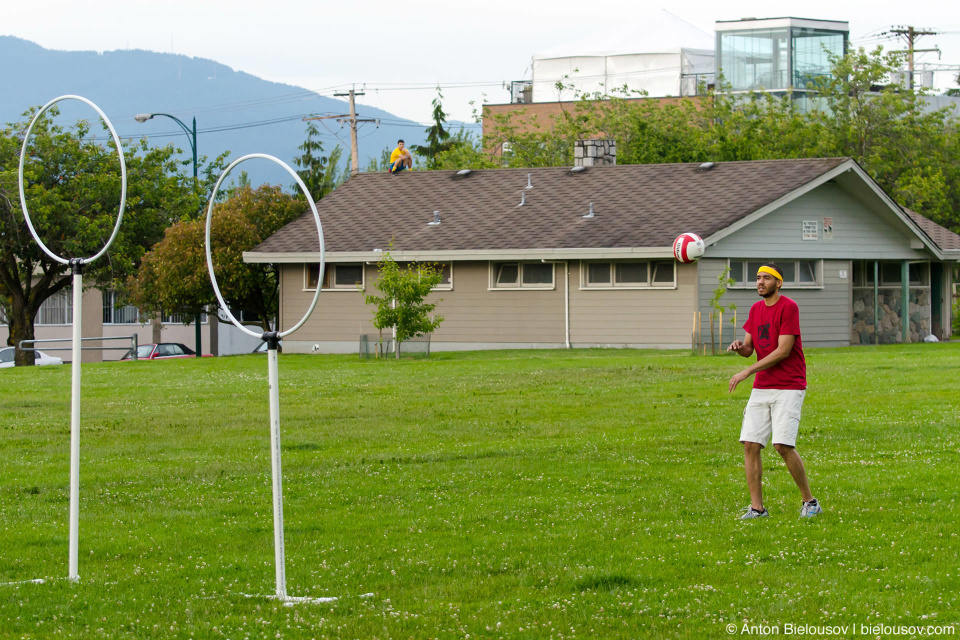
(103, 318)
(559, 257)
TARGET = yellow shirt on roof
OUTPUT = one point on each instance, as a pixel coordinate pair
(396, 155)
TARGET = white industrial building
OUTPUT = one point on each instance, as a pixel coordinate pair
(663, 56)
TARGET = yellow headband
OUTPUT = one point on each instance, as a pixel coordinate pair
(771, 271)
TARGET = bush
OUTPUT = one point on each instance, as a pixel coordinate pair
(956, 318)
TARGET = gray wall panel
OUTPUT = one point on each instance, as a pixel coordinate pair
(858, 232)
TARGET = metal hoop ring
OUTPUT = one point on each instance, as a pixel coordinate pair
(123, 176)
(316, 218)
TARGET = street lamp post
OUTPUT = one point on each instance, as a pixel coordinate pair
(192, 136)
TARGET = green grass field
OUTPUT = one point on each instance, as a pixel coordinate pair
(545, 494)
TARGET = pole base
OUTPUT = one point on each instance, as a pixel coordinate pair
(10, 584)
(289, 601)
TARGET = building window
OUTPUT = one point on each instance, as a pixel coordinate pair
(796, 273)
(514, 275)
(336, 277)
(890, 274)
(311, 276)
(446, 273)
(920, 273)
(777, 59)
(754, 59)
(57, 309)
(446, 276)
(115, 313)
(628, 274)
(343, 276)
(180, 318)
(812, 50)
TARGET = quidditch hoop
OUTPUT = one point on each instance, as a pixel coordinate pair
(123, 182)
(213, 277)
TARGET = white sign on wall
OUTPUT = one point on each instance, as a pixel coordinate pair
(828, 228)
(811, 230)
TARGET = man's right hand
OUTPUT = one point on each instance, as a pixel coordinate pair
(736, 345)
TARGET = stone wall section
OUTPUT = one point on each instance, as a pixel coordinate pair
(890, 307)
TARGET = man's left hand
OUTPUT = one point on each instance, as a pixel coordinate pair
(737, 379)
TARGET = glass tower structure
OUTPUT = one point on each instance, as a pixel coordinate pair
(777, 55)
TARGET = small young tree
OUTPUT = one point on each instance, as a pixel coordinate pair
(401, 300)
(321, 174)
(438, 138)
(723, 281)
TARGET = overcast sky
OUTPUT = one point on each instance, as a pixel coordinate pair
(397, 51)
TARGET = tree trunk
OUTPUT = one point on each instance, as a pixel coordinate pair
(156, 330)
(21, 328)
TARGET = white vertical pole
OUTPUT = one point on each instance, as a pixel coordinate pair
(274, 379)
(75, 421)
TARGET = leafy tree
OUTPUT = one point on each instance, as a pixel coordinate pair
(439, 139)
(72, 185)
(401, 300)
(381, 164)
(321, 174)
(911, 151)
(466, 153)
(173, 275)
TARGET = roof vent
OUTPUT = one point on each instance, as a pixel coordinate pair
(589, 215)
(436, 219)
(463, 173)
(529, 183)
(523, 198)
(579, 169)
(706, 166)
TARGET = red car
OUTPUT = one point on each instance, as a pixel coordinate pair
(163, 351)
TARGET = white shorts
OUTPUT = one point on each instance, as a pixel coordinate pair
(775, 411)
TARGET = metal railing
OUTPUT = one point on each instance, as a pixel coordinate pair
(132, 348)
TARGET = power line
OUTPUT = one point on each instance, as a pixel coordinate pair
(911, 34)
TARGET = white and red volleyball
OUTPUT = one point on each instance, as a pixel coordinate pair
(688, 247)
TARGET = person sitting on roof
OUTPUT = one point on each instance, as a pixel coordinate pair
(400, 159)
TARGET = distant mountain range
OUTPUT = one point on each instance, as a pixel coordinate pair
(235, 111)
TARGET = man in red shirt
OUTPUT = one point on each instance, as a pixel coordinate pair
(773, 330)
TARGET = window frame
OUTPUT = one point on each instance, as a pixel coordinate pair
(862, 274)
(494, 270)
(331, 268)
(178, 318)
(443, 286)
(66, 310)
(613, 285)
(111, 309)
(795, 284)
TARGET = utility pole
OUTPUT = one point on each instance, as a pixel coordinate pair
(910, 34)
(353, 120)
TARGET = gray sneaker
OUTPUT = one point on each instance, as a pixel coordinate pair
(751, 513)
(810, 509)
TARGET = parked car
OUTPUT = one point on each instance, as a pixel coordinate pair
(6, 358)
(162, 351)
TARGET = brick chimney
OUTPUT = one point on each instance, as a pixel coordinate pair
(594, 153)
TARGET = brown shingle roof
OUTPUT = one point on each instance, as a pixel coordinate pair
(635, 206)
(942, 237)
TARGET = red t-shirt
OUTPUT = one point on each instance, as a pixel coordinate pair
(765, 325)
